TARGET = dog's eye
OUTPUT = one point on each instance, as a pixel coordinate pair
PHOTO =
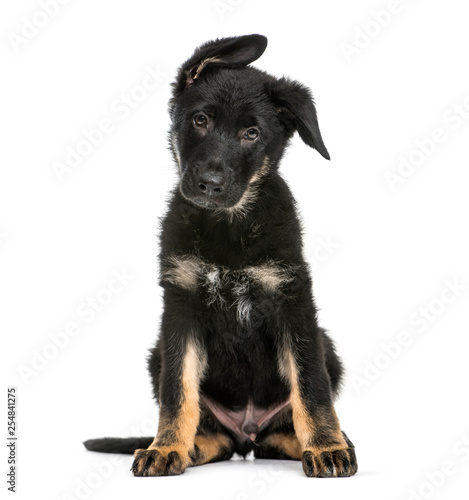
(251, 134)
(200, 120)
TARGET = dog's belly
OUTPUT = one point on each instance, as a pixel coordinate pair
(247, 422)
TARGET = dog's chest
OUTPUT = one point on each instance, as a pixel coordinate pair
(220, 287)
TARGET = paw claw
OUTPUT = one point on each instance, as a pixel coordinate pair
(328, 464)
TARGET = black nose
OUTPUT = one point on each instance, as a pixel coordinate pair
(211, 184)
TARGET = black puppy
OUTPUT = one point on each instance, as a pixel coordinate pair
(241, 363)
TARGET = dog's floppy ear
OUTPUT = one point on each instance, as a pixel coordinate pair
(230, 52)
(295, 105)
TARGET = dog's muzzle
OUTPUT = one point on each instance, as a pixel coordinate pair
(207, 189)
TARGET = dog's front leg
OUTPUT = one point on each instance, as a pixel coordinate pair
(182, 367)
(326, 451)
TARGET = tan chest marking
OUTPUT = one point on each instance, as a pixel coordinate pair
(183, 271)
(189, 271)
(225, 287)
(270, 276)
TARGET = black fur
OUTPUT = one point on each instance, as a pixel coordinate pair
(117, 445)
(231, 124)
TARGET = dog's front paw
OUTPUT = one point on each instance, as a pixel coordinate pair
(159, 462)
(330, 463)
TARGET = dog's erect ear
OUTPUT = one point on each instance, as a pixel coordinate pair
(295, 105)
(230, 52)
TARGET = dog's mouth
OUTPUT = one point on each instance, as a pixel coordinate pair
(207, 203)
(212, 201)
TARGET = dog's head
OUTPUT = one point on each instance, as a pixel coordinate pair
(231, 122)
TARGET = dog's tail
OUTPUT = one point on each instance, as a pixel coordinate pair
(118, 445)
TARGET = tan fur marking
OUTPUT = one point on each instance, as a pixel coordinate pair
(337, 436)
(164, 451)
(202, 65)
(190, 411)
(286, 443)
(271, 276)
(175, 149)
(183, 271)
(250, 194)
(211, 446)
(186, 271)
(305, 426)
(187, 420)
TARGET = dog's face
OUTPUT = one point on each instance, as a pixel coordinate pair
(231, 123)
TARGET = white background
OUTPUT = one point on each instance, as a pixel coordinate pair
(390, 251)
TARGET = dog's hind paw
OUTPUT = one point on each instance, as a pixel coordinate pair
(159, 462)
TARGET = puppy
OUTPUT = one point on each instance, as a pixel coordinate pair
(241, 363)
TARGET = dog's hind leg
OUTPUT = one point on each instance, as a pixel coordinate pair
(212, 448)
(212, 443)
(279, 445)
